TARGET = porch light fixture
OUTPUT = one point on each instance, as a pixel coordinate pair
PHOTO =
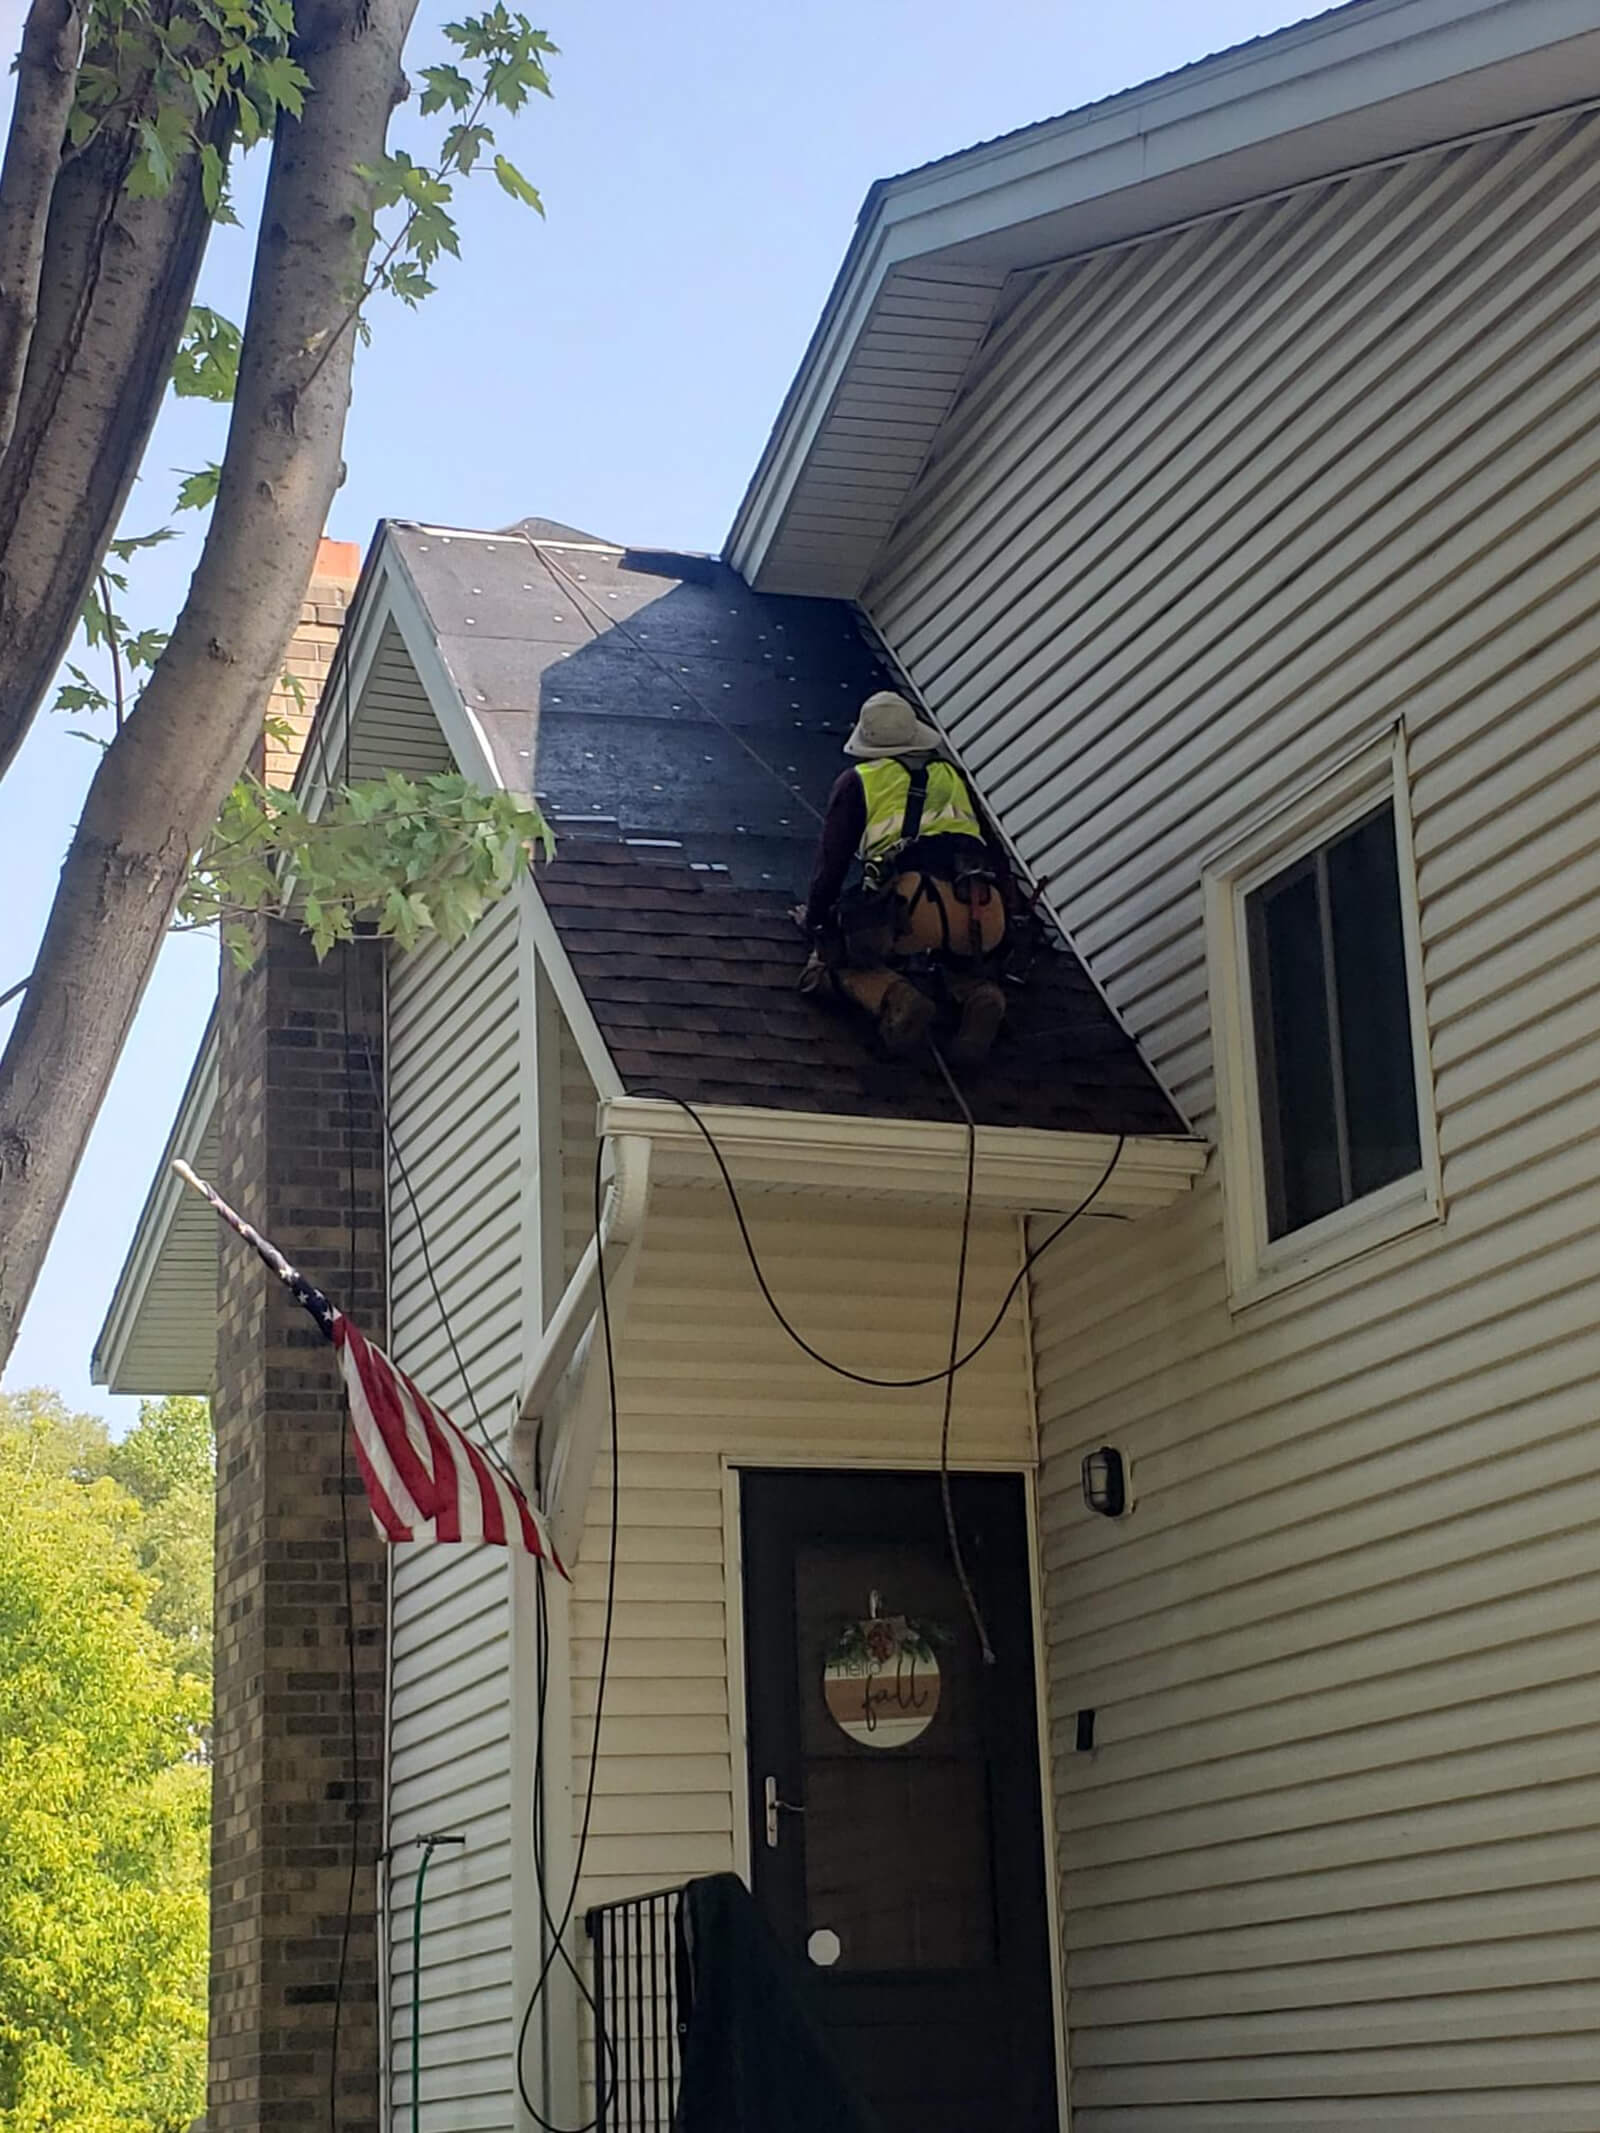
(1105, 1482)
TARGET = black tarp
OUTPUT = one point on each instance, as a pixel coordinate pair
(754, 2061)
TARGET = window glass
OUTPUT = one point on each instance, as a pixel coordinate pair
(1374, 1011)
(1332, 1023)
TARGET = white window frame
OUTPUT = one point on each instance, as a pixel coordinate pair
(1259, 1265)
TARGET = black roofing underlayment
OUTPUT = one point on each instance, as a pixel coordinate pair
(682, 733)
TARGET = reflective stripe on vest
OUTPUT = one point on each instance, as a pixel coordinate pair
(947, 810)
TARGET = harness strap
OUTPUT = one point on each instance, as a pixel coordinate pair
(916, 800)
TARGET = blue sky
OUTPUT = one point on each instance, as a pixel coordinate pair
(616, 366)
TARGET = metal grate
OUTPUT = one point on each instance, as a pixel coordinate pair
(641, 2012)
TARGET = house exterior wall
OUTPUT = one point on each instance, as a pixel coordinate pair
(706, 1381)
(461, 1106)
(1214, 509)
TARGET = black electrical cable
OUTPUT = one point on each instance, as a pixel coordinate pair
(399, 1161)
(958, 1559)
(605, 2048)
(21, 985)
(862, 1377)
(355, 1809)
(558, 1947)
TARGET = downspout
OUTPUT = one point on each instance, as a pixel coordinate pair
(562, 1414)
(566, 1381)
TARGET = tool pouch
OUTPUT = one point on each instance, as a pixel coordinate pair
(868, 920)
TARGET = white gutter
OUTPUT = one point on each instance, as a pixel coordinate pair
(1018, 1169)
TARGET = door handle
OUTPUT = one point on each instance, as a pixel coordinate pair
(776, 1807)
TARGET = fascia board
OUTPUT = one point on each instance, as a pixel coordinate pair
(156, 1217)
(570, 995)
(1018, 1169)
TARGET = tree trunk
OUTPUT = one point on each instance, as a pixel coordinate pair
(114, 291)
(47, 74)
(164, 778)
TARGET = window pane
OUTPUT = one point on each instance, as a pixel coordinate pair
(1374, 1014)
(1300, 1131)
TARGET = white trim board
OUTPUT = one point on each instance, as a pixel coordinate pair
(1259, 1267)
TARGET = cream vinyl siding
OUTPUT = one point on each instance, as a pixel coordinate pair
(706, 1376)
(1216, 509)
(458, 1113)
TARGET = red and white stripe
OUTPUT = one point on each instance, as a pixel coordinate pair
(425, 1481)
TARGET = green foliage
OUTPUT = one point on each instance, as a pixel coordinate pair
(181, 75)
(132, 651)
(168, 1464)
(206, 366)
(198, 489)
(103, 1781)
(506, 55)
(408, 857)
(80, 694)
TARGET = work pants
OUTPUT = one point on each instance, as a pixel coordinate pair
(927, 917)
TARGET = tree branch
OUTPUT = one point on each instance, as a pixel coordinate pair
(114, 292)
(47, 73)
(119, 704)
(161, 783)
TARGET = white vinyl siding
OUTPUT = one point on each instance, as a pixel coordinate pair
(1214, 510)
(458, 1108)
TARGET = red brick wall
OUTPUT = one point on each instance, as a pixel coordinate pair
(296, 1105)
(310, 654)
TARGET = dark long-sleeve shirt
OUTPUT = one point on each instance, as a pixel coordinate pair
(839, 840)
(842, 829)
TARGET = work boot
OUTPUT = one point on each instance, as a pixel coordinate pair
(904, 1018)
(982, 1012)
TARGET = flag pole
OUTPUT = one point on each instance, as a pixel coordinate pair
(303, 1292)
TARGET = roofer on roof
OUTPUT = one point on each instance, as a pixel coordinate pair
(922, 930)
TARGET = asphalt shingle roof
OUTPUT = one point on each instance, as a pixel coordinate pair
(683, 733)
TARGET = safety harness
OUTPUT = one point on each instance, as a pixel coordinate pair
(871, 916)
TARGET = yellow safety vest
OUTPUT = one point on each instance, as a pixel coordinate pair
(947, 809)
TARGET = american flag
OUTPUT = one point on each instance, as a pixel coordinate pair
(425, 1481)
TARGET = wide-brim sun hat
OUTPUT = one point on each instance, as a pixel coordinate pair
(888, 725)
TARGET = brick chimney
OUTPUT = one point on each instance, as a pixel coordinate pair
(310, 654)
(296, 1800)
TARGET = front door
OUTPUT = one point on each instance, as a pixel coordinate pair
(897, 1837)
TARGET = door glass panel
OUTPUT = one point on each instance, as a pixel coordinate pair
(896, 1834)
